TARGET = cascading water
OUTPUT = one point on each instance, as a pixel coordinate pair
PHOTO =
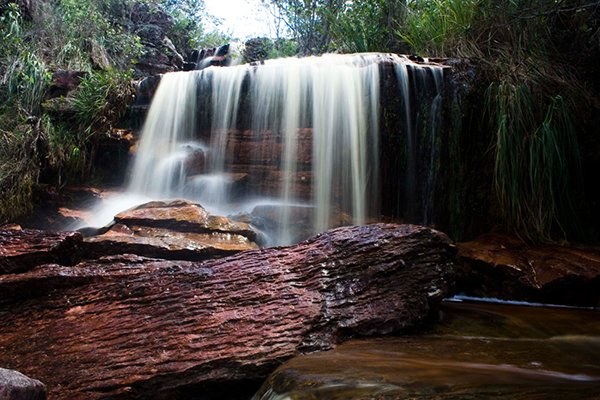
(303, 134)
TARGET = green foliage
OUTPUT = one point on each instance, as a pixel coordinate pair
(77, 34)
(26, 80)
(18, 168)
(309, 22)
(66, 149)
(187, 28)
(206, 40)
(102, 97)
(189, 32)
(69, 34)
(319, 26)
(23, 82)
(17, 178)
(259, 49)
(11, 30)
(283, 48)
(433, 27)
(360, 27)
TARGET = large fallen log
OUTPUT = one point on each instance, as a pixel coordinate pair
(125, 327)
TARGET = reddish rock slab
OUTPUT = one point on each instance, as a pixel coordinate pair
(175, 230)
(495, 265)
(132, 328)
(182, 216)
(22, 250)
(164, 243)
(16, 386)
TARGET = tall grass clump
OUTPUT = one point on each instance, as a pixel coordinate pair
(436, 27)
(535, 157)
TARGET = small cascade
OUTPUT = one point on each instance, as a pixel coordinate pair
(159, 168)
(421, 94)
(300, 137)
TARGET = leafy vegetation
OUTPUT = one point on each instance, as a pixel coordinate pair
(320, 26)
(93, 36)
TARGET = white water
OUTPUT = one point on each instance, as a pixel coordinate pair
(338, 96)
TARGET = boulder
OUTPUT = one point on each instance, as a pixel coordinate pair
(151, 23)
(182, 216)
(165, 243)
(176, 230)
(63, 82)
(127, 327)
(496, 265)
(22, 250)
(16, 386)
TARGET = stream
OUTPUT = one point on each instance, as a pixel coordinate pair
(477, 350)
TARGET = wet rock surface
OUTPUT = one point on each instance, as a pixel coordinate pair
(182, 216)
(127, 327)
(152, 24)
(22, 250)
(16, 386)
(503, 266)
(176, 230)
(476, 351)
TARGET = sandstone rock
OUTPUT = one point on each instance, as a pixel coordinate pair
(182, 216)
(64, 81)
(22, 250)
(151, 24)
(113, 156)
(165, 243)
(176, 230)
(99, 57)
(131, 328)
(60, 106)
(16, 386)
(503, 266)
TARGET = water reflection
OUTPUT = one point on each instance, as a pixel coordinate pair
(475, 351)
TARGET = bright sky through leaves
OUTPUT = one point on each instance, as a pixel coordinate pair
(243, 19)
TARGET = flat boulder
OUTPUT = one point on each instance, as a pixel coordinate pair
(503, 266)
(16, 386)
(127, 327)
(176, 230)
(182, 216)
(24, 249)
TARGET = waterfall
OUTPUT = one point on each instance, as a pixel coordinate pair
(298, 135)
